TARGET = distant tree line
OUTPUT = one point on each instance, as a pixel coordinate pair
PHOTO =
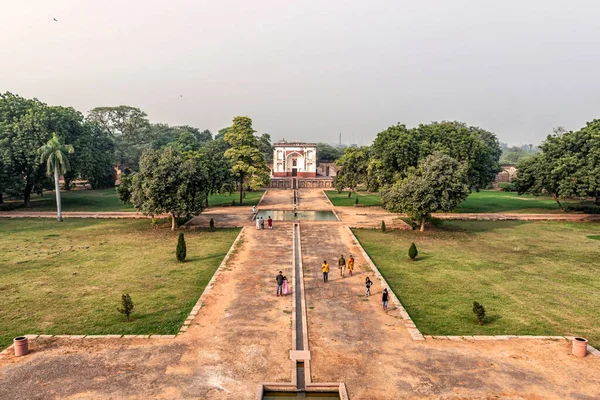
(116, 136)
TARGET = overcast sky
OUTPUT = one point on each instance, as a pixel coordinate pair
(308, 70)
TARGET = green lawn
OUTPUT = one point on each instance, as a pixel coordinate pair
(485, 201)
(364, 198)
(533, 278)
(490, 201)
(106, 200)
(67, 278)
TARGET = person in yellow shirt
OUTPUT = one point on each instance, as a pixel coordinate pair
(350, 264)
(325, 268)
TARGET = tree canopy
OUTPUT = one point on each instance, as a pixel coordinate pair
(326, 152)
(568, 165)
(354, 167)
(248, 163)
(398, 148)
(438, 183)
(168, 182)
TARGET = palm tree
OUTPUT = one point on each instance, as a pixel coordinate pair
(53, 154)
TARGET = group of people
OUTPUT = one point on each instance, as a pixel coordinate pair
(283, 288)
(342, 265)
(260, 222)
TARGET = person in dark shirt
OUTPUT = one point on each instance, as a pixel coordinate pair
(279, 279)
(384, 299)
(368, 284)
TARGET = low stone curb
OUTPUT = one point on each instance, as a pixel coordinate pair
(210, 286)
(328, 200)
(414, 332)
(262, 197)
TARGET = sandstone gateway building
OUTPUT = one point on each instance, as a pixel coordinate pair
(295, 166)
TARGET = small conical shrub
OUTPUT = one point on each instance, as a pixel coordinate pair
(383, 226)
(212, 224)
(412, 251)
(127, 304)
(479, 312)
(181, 249)
(356, 200)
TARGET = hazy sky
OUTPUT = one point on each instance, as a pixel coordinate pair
(307, 70)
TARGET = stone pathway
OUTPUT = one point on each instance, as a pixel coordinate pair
(353, 340)
(241, 336)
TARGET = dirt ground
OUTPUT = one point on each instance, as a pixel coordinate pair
(242, 335)
(353, 340)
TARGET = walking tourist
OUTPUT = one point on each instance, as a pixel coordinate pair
(325, 268)
(342, 265)
(257, 223)
(368, 283)
(279, 279)
(350, 264)
(286, 288)
(253, 209)
(270, 222)
(262, 223)
(384, 299)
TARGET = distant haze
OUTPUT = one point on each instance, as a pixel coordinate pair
(308, 70)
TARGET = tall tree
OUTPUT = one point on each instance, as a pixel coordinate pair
(93, 159)
(439, 183)
(397, 149)
(354, 166)
(129, 128)
(168, 182)
(23, 129)
(217, 166)
(54, 154)
(568, 165)
(266, 148)
(248, 163)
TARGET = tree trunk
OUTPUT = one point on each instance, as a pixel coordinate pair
(173, 221)
(27, 192)
(555, 196)
(596, 200)
(422, 224)
(67, 183)
(57, 189)
(1, 198)
(206, 203)
(241, 187)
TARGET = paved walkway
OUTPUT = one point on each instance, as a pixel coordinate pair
(241, 337)
(353, 340)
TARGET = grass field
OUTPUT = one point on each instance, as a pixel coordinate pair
(533, 278)
(106, 200)
(67, 278)
(490, 201)
(486, 201)
(364, 198)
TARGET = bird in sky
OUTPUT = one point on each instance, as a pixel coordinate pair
(55, 19)
(180, 95)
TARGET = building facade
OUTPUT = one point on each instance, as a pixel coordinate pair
(295, 159)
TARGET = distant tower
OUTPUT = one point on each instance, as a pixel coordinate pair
(340, 142)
